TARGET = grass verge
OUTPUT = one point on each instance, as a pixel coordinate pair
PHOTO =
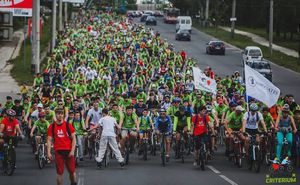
(21, 70)
(241, 42)
(277, 39)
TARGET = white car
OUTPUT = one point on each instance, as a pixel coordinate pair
(184, 23)
(252, 53)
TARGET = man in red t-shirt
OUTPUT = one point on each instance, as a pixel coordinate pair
(64, 146)
(201, 122)
(9, 127)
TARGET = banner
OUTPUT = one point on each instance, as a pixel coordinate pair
(19, 8)
(204, 83)
(260, 88)
(73, 1)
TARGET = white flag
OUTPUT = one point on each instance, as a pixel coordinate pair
(260, 88)
(204, 83)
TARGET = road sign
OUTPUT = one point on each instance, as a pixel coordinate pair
(233, 19)
(21, 8)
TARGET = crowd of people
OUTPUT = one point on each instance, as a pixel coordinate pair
(110, 73)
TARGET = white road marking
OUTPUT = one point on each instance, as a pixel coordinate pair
(80, 177)
(213, 169)
(228, 180)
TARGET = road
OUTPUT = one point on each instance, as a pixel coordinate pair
(286, 80)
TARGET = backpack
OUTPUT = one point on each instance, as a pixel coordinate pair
(204, 120)
(67, 128)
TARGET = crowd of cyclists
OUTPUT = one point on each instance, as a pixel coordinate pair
(104, 61)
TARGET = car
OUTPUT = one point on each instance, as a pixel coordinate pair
(151, 20)
(184, 23)
(251, 53)
(144, 17)
(215, 47)
(158, 14)
(183, 35)
(262, 66)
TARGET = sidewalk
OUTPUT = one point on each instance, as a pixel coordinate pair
(9, 50)
(262, 41)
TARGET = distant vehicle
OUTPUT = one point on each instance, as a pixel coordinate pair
(151, 20)
(262, 66)
(138, 13)
(144, 17)
(183, 35)
(170, 15)
(149, 12)
(215, 47)
(158, 14)
(251, 53)
(184, 23)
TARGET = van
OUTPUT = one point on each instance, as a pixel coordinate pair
(184, 23)
(252, 53)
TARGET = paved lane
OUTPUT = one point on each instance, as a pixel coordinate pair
(287, 80)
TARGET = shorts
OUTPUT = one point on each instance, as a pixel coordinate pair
(203, 138)
(124, 132)
(61, 161)
(180, 128)
(144, 131)
(252, 132)
(169, 135)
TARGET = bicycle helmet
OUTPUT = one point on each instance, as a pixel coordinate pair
(208, 107)
(232, 104)
(253, 107)
(162, 110)
(176, 100)
(42, 114)
(286, 108)
(239, 108)
(11, 112)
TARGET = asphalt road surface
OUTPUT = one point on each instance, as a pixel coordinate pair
(286, 80)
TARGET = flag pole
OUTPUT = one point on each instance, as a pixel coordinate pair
(247, 97)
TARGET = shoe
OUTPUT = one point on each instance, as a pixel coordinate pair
(81, 159)
(99, 165)
(122, 164)
(167, 158)
(195, 163)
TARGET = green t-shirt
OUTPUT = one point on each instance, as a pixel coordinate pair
(129, 120)
(78, 126)
(268, 119)
(144, 122)
(42, 126)
(49, 117)
(116, 114)
(235, 121)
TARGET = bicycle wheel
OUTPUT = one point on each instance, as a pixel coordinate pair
(145, 150)
(127, 151)
(257, 161)
(76, 155)
(40, 158)
(163, 154)
(182, 151)
(106, 157)
(202, 160)
(10, 162)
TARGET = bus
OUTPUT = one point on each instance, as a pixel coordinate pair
(170, 15)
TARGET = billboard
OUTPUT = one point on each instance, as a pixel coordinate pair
(73, 1)
(21, 8)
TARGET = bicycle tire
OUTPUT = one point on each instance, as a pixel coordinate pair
(127, 152)
(202, 160)
(163, 155)
(106, 158)
(76, 155)
(40, 158)
(10, 162)
(257, 161)
(145, 150)
(182, 150)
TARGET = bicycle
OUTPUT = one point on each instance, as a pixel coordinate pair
(254, 157)
(163, 147)
(202, 156)
(221, 135)
(153, 143)
(237, 149)
(42, 154)
(128, 145)
(107, 156)
(9, 159)
(144, 146)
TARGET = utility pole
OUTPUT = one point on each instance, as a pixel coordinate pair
(37, 69)
(271, 28)
(66, 13)
(60, 25)
(206, 12)
(53, 25)
(33, 37)
(233, 18)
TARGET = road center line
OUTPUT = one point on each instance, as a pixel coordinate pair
(228, 180)
(213, 169)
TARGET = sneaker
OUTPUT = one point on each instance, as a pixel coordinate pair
(167, 158)
(99, 165)
(122, 164)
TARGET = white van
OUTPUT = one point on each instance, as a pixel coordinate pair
(184, 23)
(252, 53)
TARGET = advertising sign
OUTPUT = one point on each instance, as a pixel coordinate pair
(20, 8)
